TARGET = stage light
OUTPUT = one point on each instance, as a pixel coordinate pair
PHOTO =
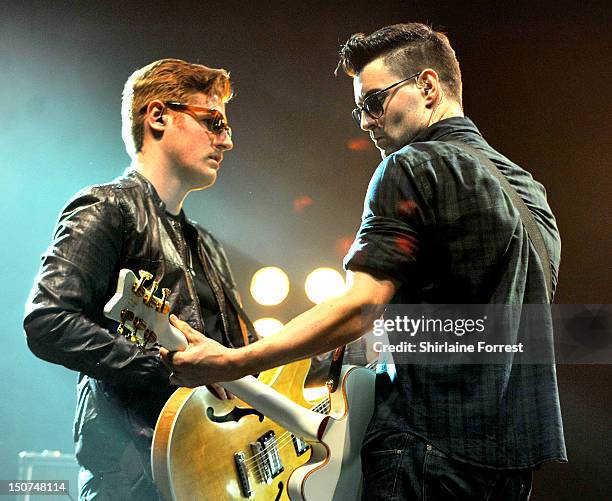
(269, 286)
(324, 283)
(267, 326)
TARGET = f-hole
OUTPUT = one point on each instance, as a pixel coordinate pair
(280, 491)
(236, 414)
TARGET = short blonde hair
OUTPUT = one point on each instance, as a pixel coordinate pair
(167, 80)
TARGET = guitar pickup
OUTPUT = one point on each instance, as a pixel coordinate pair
(267, 457)
(299, 445)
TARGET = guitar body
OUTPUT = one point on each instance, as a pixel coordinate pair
(193, 456)
(210, 449)
(334, 472)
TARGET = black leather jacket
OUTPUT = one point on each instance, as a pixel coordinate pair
(121, 391)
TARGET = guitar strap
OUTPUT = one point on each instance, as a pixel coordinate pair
(333, 377)
(527, 218)
(246, 326)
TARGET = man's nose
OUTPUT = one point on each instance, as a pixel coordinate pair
(366, 122)
(223, 141)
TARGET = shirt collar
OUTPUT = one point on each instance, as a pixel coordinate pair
(447, 126)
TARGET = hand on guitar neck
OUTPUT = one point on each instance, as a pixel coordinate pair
(333, 470)
(196, 353)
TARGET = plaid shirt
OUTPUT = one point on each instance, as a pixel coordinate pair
(436, 220)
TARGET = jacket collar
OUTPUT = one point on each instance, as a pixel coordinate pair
(148, 187)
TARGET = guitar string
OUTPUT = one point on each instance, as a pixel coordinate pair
(254, 470)
(252, 463)
(284, 440)
(287, 437)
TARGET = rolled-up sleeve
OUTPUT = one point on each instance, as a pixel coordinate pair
(389, 236)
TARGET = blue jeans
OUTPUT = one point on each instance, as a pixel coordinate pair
(401, 466)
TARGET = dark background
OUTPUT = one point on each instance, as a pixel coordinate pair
(537, 82)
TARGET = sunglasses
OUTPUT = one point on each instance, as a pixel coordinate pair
(373, 105)
(214, 120)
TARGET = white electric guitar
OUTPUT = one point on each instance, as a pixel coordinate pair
(252, 447)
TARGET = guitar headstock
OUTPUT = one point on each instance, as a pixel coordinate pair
(143, 316)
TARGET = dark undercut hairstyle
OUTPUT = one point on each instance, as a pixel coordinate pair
(406, 49)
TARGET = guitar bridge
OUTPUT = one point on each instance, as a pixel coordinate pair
(243, 476)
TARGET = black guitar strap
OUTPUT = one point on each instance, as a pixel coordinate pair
(333, 378)
(242, 316)
(528, 220)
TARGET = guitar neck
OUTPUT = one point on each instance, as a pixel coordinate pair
(302, 422)
(305, 423)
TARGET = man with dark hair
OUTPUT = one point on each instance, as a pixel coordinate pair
(438, 227)
(175, 130)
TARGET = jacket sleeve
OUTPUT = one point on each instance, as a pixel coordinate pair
(63, 320)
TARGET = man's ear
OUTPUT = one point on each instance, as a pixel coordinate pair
(154, 117)
(431, 89)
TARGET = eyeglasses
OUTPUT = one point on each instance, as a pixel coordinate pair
(214, 120)
(373, 104)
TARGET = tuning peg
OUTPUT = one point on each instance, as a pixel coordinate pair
(149, 337)
(139, 324)
(149, 294)
(125, 316)
(162, 305)
(145, 276)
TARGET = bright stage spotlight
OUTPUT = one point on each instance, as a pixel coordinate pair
(267, 326)
(269, 286)
(324, 283)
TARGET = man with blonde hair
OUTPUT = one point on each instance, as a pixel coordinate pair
(175, 130)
